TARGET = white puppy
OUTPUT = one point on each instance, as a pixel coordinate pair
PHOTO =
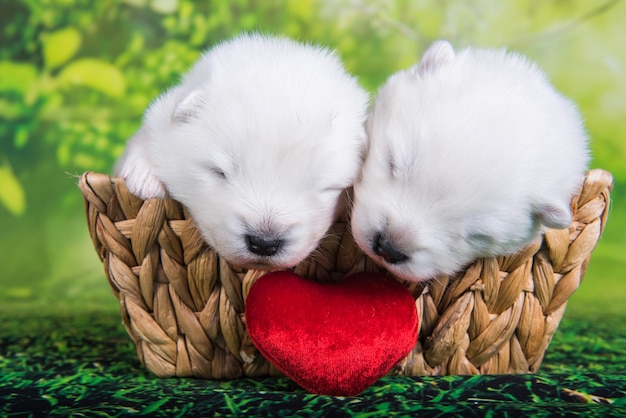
(470, 155)
(258, 141)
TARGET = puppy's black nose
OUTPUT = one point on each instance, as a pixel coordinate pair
(384, 248)
(266, 246)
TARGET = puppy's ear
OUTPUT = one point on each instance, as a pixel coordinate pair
(189, 107)
(136, 168)
(439, 53)
(554, 215)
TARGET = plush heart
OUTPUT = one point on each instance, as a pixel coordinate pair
(333, 338)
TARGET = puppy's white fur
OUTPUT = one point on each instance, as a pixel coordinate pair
(260, 139)
(470, 155)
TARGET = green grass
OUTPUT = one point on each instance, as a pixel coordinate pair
(85, 364)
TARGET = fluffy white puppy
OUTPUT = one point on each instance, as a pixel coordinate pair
(471, 154)
(258, 141)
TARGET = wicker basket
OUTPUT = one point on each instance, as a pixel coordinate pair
(184, 306)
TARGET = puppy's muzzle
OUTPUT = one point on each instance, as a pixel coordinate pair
(385, 248)
(262, 245)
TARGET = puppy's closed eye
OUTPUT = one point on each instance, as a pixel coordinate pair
(392, 168)
(333, 189)
(218, 172)
(221, 168)
(398, 166)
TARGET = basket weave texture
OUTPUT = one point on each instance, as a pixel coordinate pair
(184, 306)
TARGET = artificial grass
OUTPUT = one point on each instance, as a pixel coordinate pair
(84, 364)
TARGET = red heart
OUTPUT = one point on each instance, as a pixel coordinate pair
(333, 338)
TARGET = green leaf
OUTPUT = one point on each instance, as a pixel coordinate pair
(60, 46)
(22, 135)
(164, 6)
(12, 194)
(16, 76)
(11, 110)
(96, 74)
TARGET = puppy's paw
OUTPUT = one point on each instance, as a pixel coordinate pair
(554, 215)
(137, 171)
(141, 182)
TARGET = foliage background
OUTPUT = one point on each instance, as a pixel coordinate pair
(76, 76)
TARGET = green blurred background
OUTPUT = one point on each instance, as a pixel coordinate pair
(76, 76)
